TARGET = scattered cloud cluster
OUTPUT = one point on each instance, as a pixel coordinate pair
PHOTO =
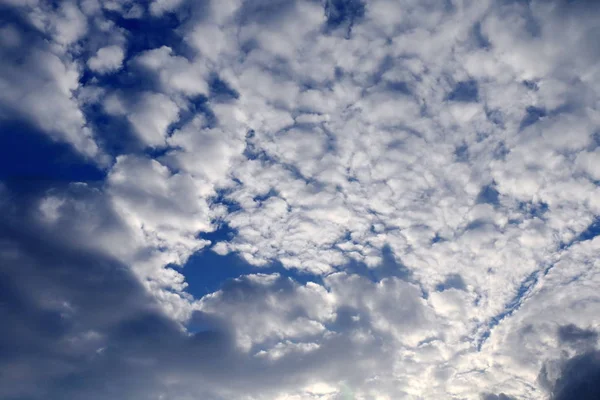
(425, 173)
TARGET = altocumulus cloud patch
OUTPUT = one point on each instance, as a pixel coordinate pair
(251, 199)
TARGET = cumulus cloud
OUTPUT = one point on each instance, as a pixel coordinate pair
(39, 85)
(84, 313)
(432, 166)
(107, 59)
(149, 113)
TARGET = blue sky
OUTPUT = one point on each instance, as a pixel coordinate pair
(299, 199)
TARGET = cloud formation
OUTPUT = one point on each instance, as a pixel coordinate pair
(423, 175)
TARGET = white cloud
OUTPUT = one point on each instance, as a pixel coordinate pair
(158, 7)
(149, 113)
(107, 59)
(176, 73)
(418, 142)
(45, 87)
(206, 152)
(66, 23)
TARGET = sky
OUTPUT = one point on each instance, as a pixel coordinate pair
(299, 199)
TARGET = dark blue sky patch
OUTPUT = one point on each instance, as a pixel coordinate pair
(390, 267)
(398, 87)
(117, 136)
(486, 333)
(437, 238)
(158, 154)
(479, 38)
(220, 91)
(223, 233)
(393, 266)
(531, 85)
(532, 210)
(465, 91)
(265, 196)
(488, 195)
(152, 32)
(590, 232)
(532, 115)
(573, 334)
(200, 105)
(28, 154)
(206, 271)
(461, 153)
(223, 198)
(526, 286)
(343, 14)
(197, 105)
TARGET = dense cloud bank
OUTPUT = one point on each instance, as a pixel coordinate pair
(406, 190)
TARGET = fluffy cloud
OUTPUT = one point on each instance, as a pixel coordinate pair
(433, 165)
(107, 59)
(39, 86)
(149, 113)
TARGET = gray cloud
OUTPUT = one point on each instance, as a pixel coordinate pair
(574, 334)
(500, 396)
(80, 325)
(579, 378)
